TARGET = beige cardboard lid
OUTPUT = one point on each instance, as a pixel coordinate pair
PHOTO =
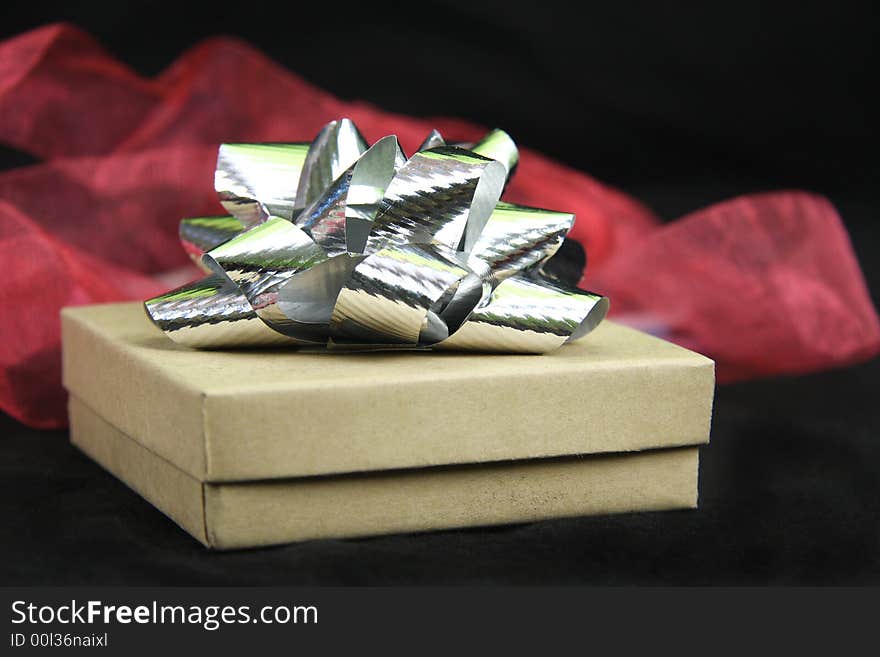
(247, 415)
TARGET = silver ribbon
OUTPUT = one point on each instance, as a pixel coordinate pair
(349, 246)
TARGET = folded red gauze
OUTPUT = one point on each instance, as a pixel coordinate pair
(764, 284)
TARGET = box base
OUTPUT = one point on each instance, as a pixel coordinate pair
(259, 513)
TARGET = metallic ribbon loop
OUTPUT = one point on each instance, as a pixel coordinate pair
(349, 246)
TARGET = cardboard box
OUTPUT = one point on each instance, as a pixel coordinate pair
(249, 514)
(246, 448)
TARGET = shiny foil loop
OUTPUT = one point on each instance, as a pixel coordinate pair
(350, 246)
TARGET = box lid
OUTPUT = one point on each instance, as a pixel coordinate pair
(247, 415)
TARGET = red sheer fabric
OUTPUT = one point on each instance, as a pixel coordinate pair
(764, 284)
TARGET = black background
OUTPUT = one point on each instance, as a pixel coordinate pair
(678, 105)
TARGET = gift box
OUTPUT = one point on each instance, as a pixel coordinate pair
(244, 448)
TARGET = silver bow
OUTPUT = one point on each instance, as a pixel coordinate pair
(345, 245)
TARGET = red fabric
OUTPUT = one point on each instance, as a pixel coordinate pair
(764, 284)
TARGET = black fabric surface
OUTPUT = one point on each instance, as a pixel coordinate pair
(680, 107)
(789, 493)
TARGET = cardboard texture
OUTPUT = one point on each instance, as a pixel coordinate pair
(226, 416)
(250, 514)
